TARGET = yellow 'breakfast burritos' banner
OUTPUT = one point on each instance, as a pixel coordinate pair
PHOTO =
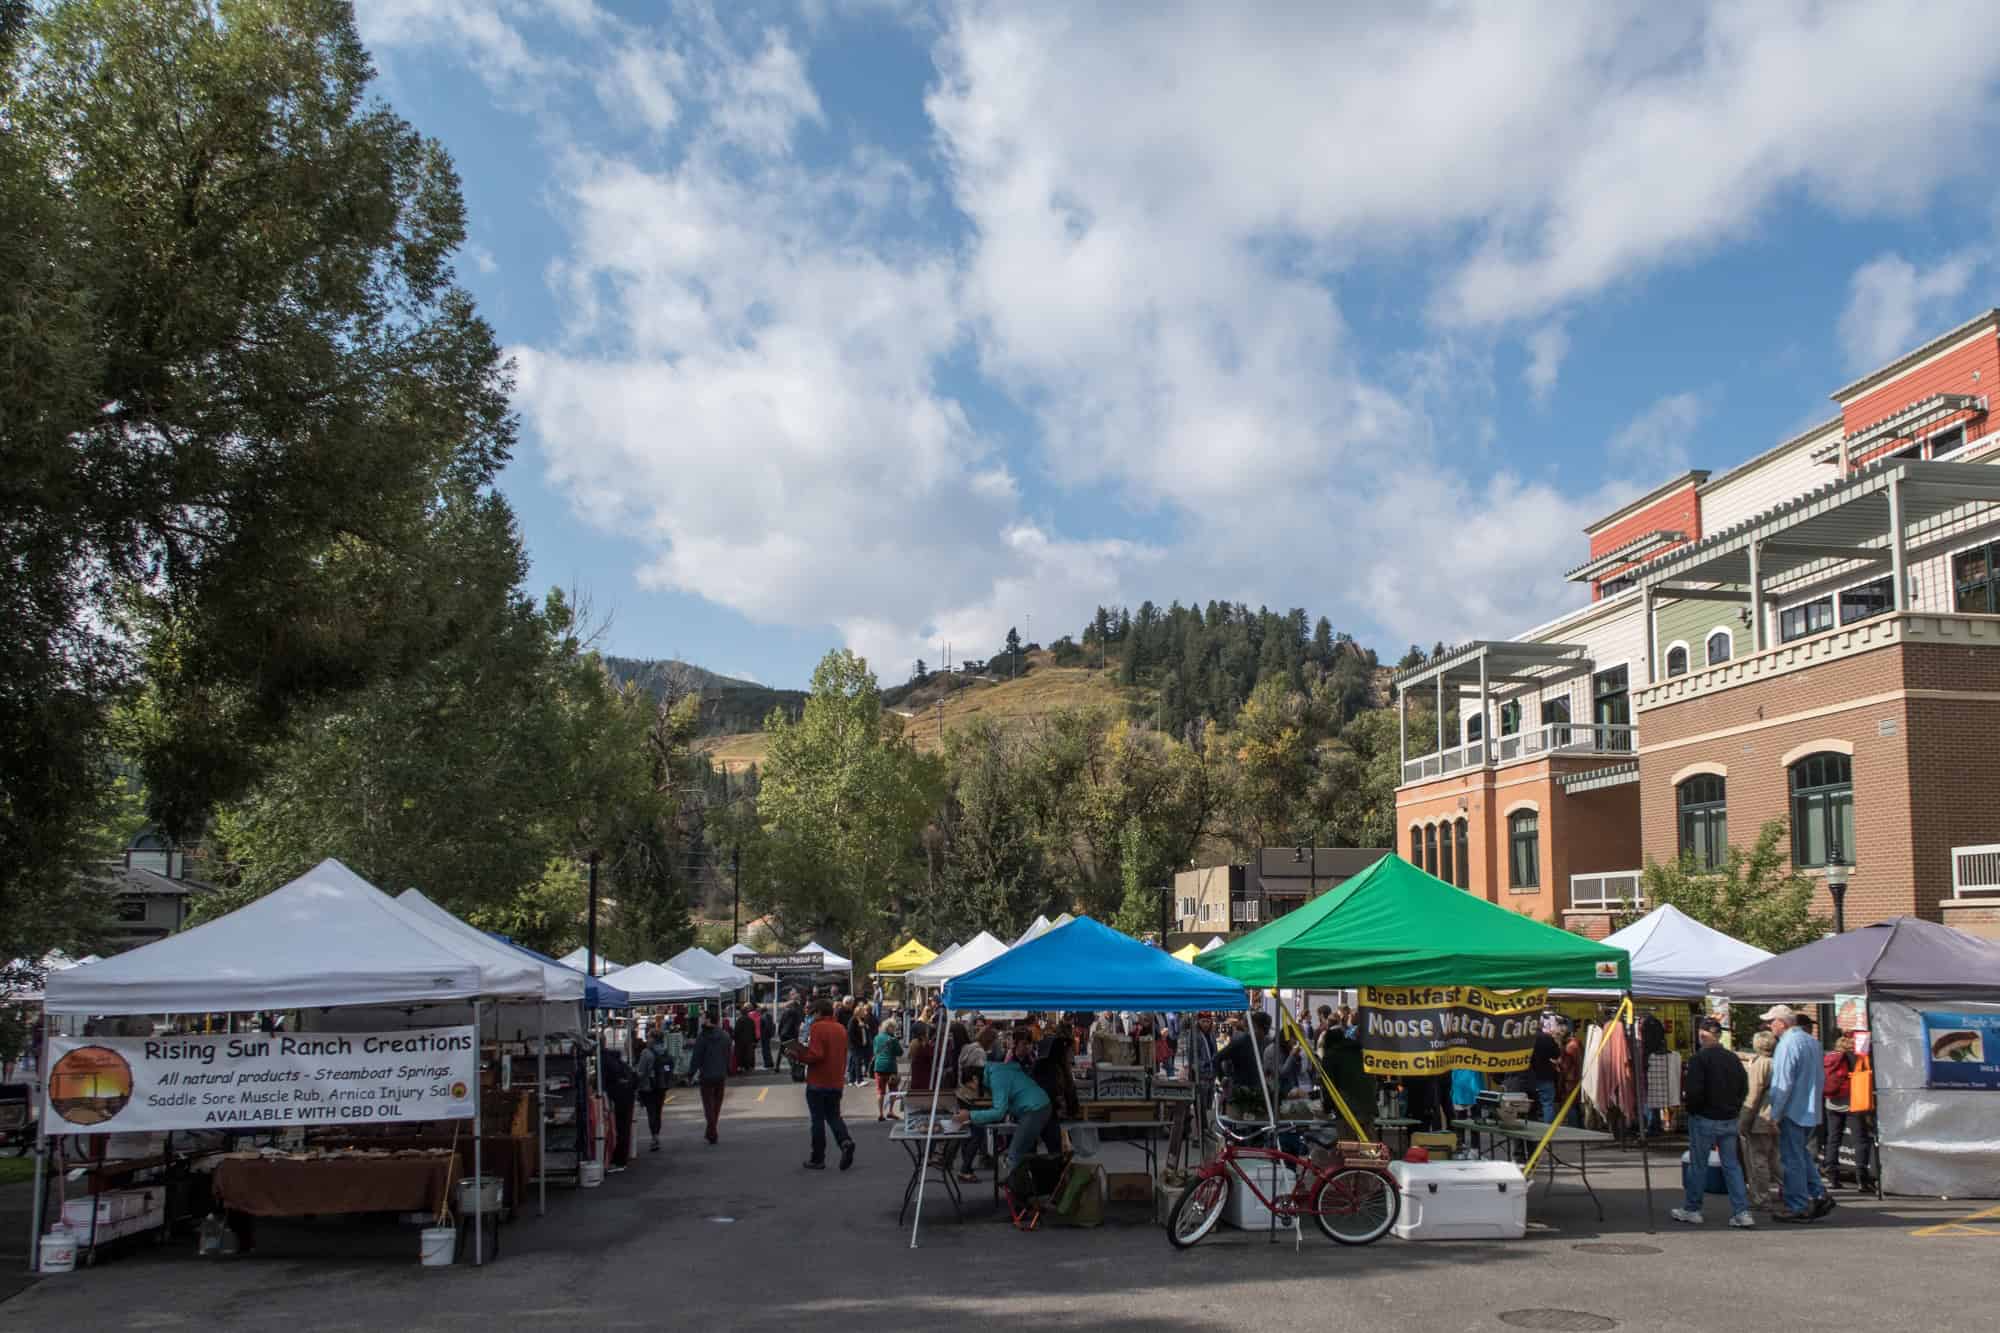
(1417, 1030)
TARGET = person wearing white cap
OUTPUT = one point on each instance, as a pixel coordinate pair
(1798, 1077)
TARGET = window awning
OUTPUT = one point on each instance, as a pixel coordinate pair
(1504, 661)
(1840, 523)
(1636, 549)
(1906, 422)
(1596, 779)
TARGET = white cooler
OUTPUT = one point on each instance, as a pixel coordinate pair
(1242, 1209)
(1460, 1200)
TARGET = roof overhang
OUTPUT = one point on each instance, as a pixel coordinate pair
(1910, 420)
(1596, 779)
(1636, 549)
(1498, 662)
(1837, 524)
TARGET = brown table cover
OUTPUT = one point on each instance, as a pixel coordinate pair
(511, 1157)
(282, 1187)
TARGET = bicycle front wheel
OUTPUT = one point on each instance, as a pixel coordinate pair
(1356, 1207)
(1198, 1210)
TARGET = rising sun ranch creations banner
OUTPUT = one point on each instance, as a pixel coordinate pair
(1418, 1030)
(258, 1080)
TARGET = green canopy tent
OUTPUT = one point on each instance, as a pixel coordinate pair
(1394, 925)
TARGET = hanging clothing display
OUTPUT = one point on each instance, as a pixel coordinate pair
(1613, 1081)
(1663, 1080)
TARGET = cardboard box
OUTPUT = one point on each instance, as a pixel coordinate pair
(1128, 1186)
(1437, 1145)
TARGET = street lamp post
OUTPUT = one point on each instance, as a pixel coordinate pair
(1836, 887)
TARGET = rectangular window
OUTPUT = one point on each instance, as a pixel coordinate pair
(131, 909)
(1975, 577)
(1612, 587)
(1510, 717)
(1524, 847)
(1555, 714)
(1611, 709)
(1947, 442)
(1870, 599)
(1799, 621)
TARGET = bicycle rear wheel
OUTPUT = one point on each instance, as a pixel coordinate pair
(1198, 1210)
(1356, 1207)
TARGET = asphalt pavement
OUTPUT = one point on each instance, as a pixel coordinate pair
(741, 1236)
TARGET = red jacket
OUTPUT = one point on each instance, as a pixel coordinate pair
(1836, 1076)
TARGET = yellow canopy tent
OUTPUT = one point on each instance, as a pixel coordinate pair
(911, 955)
(1187, 953)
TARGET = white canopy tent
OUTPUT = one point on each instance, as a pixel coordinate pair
(497, 962)
(831, 961)
(1674, 956)
(980, 949)
(702, 965)
(327, 938)
(655, 983)
(576, 958)
(1214, 942)
(1036, 927)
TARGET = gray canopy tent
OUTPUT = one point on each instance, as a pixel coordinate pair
(1932, 1139)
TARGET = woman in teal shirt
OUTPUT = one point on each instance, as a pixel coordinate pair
(1015, 1093)
(887, 1051)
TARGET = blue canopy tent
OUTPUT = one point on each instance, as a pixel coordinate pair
(1081, 965)
(597, 993)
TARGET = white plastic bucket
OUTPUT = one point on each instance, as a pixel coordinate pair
(590, 1175)
(438, 1246)
(59, 1251)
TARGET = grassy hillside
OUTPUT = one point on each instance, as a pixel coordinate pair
(1043, 690)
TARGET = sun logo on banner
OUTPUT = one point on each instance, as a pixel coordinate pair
(90, 1085)
(458, 1092)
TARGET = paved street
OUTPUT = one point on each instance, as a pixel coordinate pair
(740, 1237)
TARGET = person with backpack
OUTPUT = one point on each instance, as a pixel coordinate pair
(656, 1074)
(709, 1063)
(622, 1086)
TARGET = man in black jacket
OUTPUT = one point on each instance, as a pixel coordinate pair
(709, 1063)
(1713, 1089)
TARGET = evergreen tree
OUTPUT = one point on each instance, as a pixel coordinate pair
(1322, 645)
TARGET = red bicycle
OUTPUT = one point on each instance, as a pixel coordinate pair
(1354, 1201)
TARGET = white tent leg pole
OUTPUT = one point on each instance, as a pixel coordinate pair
(930, 1135)
(542, 1116)
(478, 1136)
(1270, 1109)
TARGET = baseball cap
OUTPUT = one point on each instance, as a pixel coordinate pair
(1710, 1025)
(1776, 1012)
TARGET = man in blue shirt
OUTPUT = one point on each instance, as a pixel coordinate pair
(1015, 1093)
(1798, 1078)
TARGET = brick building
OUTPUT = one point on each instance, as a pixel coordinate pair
(1813, 636)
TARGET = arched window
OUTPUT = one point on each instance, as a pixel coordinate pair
(1823, 810)
(1677, 660)
(1431, 848)
(1704, 819)
(1417, 845)
(1524, 850)
(1445, 854)
(1464, 870)
(1721, 643)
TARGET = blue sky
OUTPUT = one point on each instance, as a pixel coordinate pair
(884, 323)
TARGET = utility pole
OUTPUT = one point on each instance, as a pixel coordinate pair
(590, 944)
(736, 894)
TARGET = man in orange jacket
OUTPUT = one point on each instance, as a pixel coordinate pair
(824, 1054)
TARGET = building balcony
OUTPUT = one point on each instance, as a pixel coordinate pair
(1554, 738)
(1975, 873)
(1607, 891)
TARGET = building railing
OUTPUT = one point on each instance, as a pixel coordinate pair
(1607, 890)
(1550, 738)
(1975, 871)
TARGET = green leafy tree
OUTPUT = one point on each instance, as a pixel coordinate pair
(1138, 912)
(844, 797)
(1752, 897)
(246, 391)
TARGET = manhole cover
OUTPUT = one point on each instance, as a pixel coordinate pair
(1615, 1247)
(724, 1221)
(1558, 1321)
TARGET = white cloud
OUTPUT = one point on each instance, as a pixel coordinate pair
(1655, 444)
(1547, 347)
(1151, 268)
(482, 258)
(1890, 300)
